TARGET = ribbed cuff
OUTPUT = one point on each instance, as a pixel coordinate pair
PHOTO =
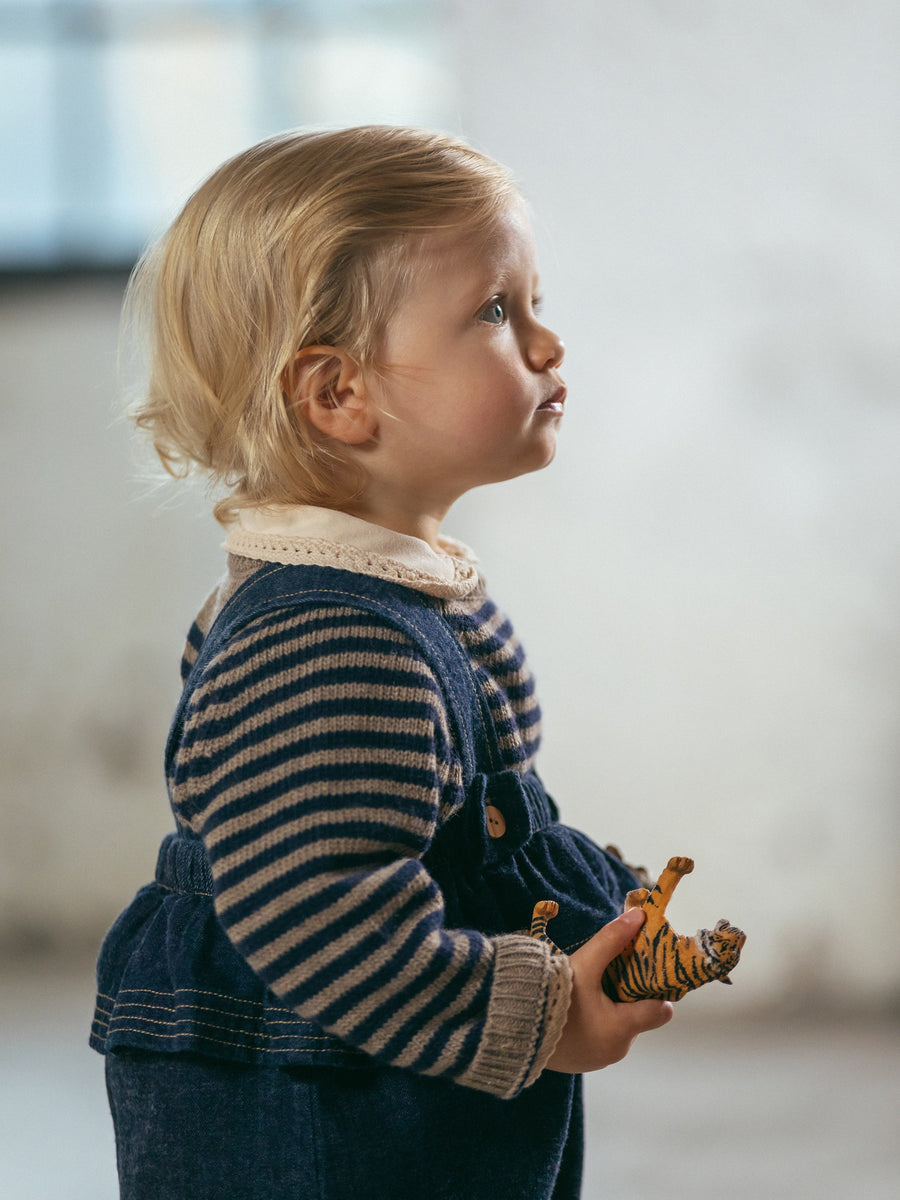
(526, 1014)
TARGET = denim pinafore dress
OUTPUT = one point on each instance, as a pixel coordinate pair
(169, 979)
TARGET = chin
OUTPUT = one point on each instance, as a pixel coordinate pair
(547, 458)
(538, 464)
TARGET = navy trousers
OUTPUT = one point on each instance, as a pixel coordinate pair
(194, 1128)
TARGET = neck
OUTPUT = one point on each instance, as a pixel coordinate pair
(423, 525)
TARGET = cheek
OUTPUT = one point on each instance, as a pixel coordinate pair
(501, 386)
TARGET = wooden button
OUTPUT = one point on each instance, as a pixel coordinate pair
(496, 822)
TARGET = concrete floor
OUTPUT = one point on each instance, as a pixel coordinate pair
(754, 1109)
(749, 1110)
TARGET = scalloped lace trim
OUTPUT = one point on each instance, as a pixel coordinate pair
(338, 540)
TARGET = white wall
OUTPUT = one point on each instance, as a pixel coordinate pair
(706, 579)
(98, 582)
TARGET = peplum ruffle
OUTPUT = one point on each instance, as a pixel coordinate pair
(169, 979)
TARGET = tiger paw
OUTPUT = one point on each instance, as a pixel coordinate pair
(680, 865)
(635, 898)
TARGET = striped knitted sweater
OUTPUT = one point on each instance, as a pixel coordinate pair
(317, 763)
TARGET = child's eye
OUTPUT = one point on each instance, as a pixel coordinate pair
(493, 313)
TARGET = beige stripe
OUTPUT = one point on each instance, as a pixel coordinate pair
(247, 789)
(291, 616)
(449, 1057)
(403, 1015)
(348, 756)
(411, 975)
(337, 949)
(502, 657)
(314, 792)
(526, 704)
(484, 630)
(508, 680)
(304, 706)
(503, 661)
(357, 897)
(297, 644)
(516, 741)
(299, 860)
(311, 624)
(291, 675)
(291, 898)
(312, 726)
(388, 817)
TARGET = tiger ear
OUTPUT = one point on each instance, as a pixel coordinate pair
(328, 386)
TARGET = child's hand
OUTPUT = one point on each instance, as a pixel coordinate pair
(599, 1031)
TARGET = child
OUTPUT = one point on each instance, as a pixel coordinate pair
(329, 991)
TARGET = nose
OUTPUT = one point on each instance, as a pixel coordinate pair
(544, 349)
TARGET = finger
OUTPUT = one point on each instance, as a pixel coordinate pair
(613, 938)
(650, 1014)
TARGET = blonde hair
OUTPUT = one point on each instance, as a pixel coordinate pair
(305, 239)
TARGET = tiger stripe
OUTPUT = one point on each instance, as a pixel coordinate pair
(667, 966)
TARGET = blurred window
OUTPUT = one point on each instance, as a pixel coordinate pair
(112, 110)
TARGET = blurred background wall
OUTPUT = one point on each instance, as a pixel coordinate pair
(706, 579)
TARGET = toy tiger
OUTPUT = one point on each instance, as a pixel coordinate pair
(659, 963)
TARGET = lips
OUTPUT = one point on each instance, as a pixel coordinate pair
(554, 403)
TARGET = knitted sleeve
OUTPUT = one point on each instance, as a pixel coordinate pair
(316, 763)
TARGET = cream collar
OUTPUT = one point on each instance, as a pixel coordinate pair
(326, 538)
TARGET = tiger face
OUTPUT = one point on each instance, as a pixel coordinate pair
(721, 947)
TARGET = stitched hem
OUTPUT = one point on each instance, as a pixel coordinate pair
(559, 999)
(525, 1018)
(179, 1021)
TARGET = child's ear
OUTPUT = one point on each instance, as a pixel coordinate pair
(329, 387)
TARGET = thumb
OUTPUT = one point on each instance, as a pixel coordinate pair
(615, 937)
